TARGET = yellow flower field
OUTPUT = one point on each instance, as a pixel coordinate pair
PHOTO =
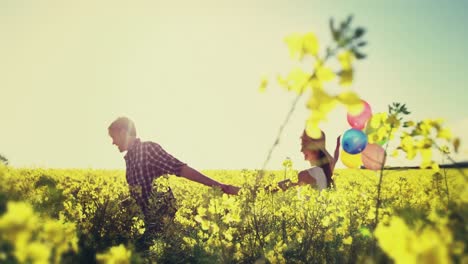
(68, 216)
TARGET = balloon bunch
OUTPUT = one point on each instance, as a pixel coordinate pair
(356, 150)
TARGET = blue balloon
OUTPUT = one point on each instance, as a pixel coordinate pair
(354, 141)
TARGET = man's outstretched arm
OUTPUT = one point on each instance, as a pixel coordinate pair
(194, 175)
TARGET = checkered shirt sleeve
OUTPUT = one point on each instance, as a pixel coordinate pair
(164, 162)
(145, 163)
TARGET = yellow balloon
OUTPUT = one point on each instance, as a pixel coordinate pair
(352, 161)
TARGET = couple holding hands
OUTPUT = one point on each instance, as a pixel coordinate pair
(146, 161)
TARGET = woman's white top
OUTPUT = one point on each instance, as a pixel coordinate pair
(319, 175)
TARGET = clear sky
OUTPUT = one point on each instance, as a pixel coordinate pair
(187, 72)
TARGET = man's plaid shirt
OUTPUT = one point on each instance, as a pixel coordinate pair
(146, 161)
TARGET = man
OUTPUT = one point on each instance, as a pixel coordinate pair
(146, 161)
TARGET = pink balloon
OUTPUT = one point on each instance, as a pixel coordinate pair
(373, 156)
(359, 121)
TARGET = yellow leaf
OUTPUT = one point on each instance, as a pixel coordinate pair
(426, 155)
(198, 219)
(38, 252)
(315, 84)
(294, 42)
(313, 130)
(408, 123)
(320, 103)
(445, 149)
(346, 77)
(297, 80)
(396, 231)
(346, 58)
(310, 44)
(444, 133)
(393, 121)
(348, 240)
(287, 163)
(263, 84)
(116, 254)
(352, 102)
(205, 225)
(201, 211)
(411, 154)
(228, 236)
(282, 82)
(324, 73)
(456, 144)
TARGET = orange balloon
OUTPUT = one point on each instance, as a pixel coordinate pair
(373, 156)
(352, 161)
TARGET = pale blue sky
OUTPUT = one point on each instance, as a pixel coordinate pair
(187, 73)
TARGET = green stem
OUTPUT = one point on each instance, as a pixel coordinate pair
(451, 160)
(447, 187)
(288, 116)
(283, 125)
(379, 186)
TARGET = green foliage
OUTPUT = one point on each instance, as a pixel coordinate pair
(347, 37)
(398, 108)
(53, 202)
(3, 159)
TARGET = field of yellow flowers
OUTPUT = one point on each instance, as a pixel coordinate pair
(69, 216)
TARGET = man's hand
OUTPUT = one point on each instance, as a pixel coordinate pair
(196, 176)
(285, 184)
(229, 189)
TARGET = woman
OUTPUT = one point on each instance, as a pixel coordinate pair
(323, 164)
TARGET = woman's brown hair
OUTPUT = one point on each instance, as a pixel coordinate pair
(325, 161)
